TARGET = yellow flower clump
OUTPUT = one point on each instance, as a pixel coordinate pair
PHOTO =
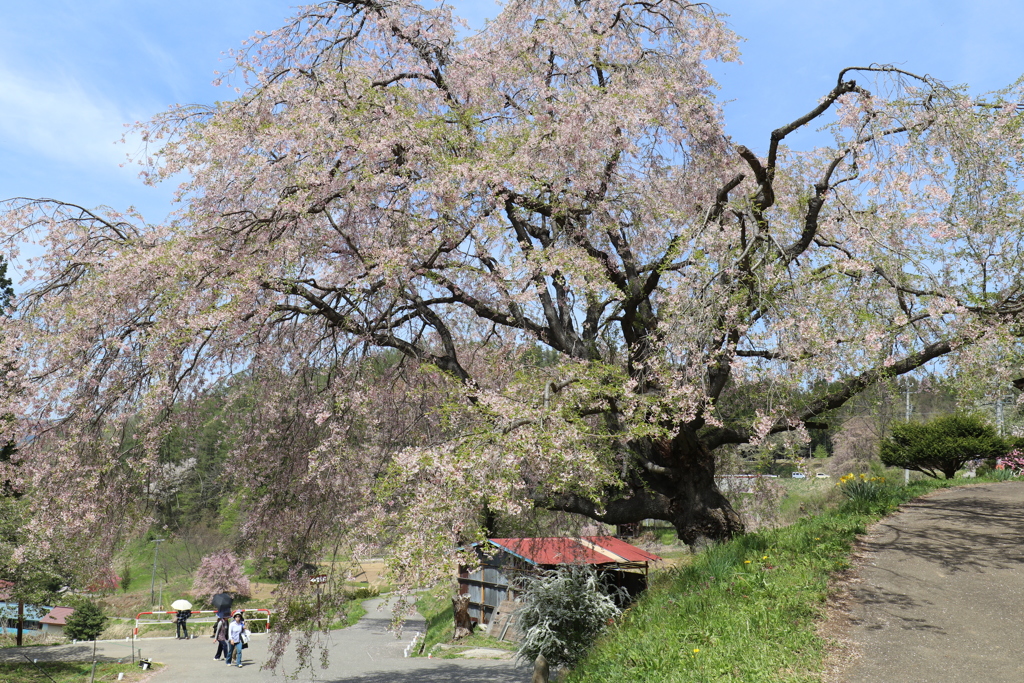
(851, 477)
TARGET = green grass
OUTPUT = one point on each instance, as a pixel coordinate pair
(664, 535)
(68, 672)
(745, 610)
(353, 610)
(436, 608)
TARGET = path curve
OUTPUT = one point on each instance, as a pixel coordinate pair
(937, 594)
(364, 653)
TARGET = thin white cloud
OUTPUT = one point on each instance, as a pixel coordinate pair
(55, 117)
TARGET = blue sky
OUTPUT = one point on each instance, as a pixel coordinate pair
(73, 72)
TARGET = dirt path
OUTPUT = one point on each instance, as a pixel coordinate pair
(937, 595)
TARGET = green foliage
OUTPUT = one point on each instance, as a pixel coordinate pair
(197, 453)
(352, 611)
(745, 610)
(941, 445)
(869, 495)
(126, 576)
(563, 612)
(665, 535)
(37, 577)
(86, 622)
(436, 607)
(998, 475)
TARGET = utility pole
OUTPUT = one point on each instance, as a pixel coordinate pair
(999, 412)
(152, 583)
(21, 621)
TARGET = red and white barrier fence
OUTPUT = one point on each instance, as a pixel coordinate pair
(254, 614)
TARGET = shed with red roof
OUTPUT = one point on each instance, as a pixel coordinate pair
(505, 561)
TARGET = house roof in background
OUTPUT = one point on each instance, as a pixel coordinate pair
(5, 589)
(58, 616)
(593, 550)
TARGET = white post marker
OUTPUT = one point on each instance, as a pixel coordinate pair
(408, 648)
(317, 581)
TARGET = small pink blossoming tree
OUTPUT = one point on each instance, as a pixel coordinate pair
(220, 572)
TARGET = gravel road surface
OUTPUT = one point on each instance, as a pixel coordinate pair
(938, 592)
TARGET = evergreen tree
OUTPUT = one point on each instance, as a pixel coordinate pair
(941, 445)
(86, 622)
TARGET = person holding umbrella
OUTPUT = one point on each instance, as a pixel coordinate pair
(184, 608)
(222, 603)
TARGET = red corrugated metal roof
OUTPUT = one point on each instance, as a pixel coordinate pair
(626, 550)
(6, 587)
(58, 616)
(583, 550)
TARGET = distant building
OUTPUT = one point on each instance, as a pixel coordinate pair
(30, 619)
(505, 561)
(36, 619)
(54, 622)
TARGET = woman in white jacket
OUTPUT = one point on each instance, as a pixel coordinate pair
(235, 631)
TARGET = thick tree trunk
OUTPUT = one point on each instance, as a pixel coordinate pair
(697, 509)
(675, 482)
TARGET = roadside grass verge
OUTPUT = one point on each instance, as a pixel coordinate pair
(436, 607)
(745, 610)
(70, 672)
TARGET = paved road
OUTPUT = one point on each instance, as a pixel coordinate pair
(940, 591)
(364, 653)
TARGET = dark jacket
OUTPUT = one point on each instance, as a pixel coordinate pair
(220, 630)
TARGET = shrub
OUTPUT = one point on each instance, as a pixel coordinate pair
(86, 622)
(870, 495)
(941, 445)
(563, 612)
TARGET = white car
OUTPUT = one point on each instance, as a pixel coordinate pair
(822, 475)
(799, 475)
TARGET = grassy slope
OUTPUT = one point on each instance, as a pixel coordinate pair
(744, 610)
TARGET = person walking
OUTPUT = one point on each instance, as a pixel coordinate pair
(238, 636)
(220, 633)
(183, 615)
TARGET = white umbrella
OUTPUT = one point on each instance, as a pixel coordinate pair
(181, 604)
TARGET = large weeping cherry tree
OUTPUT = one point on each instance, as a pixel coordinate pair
(519, 269)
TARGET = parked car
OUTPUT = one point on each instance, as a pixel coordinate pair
(799, 475)
(822, 475)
